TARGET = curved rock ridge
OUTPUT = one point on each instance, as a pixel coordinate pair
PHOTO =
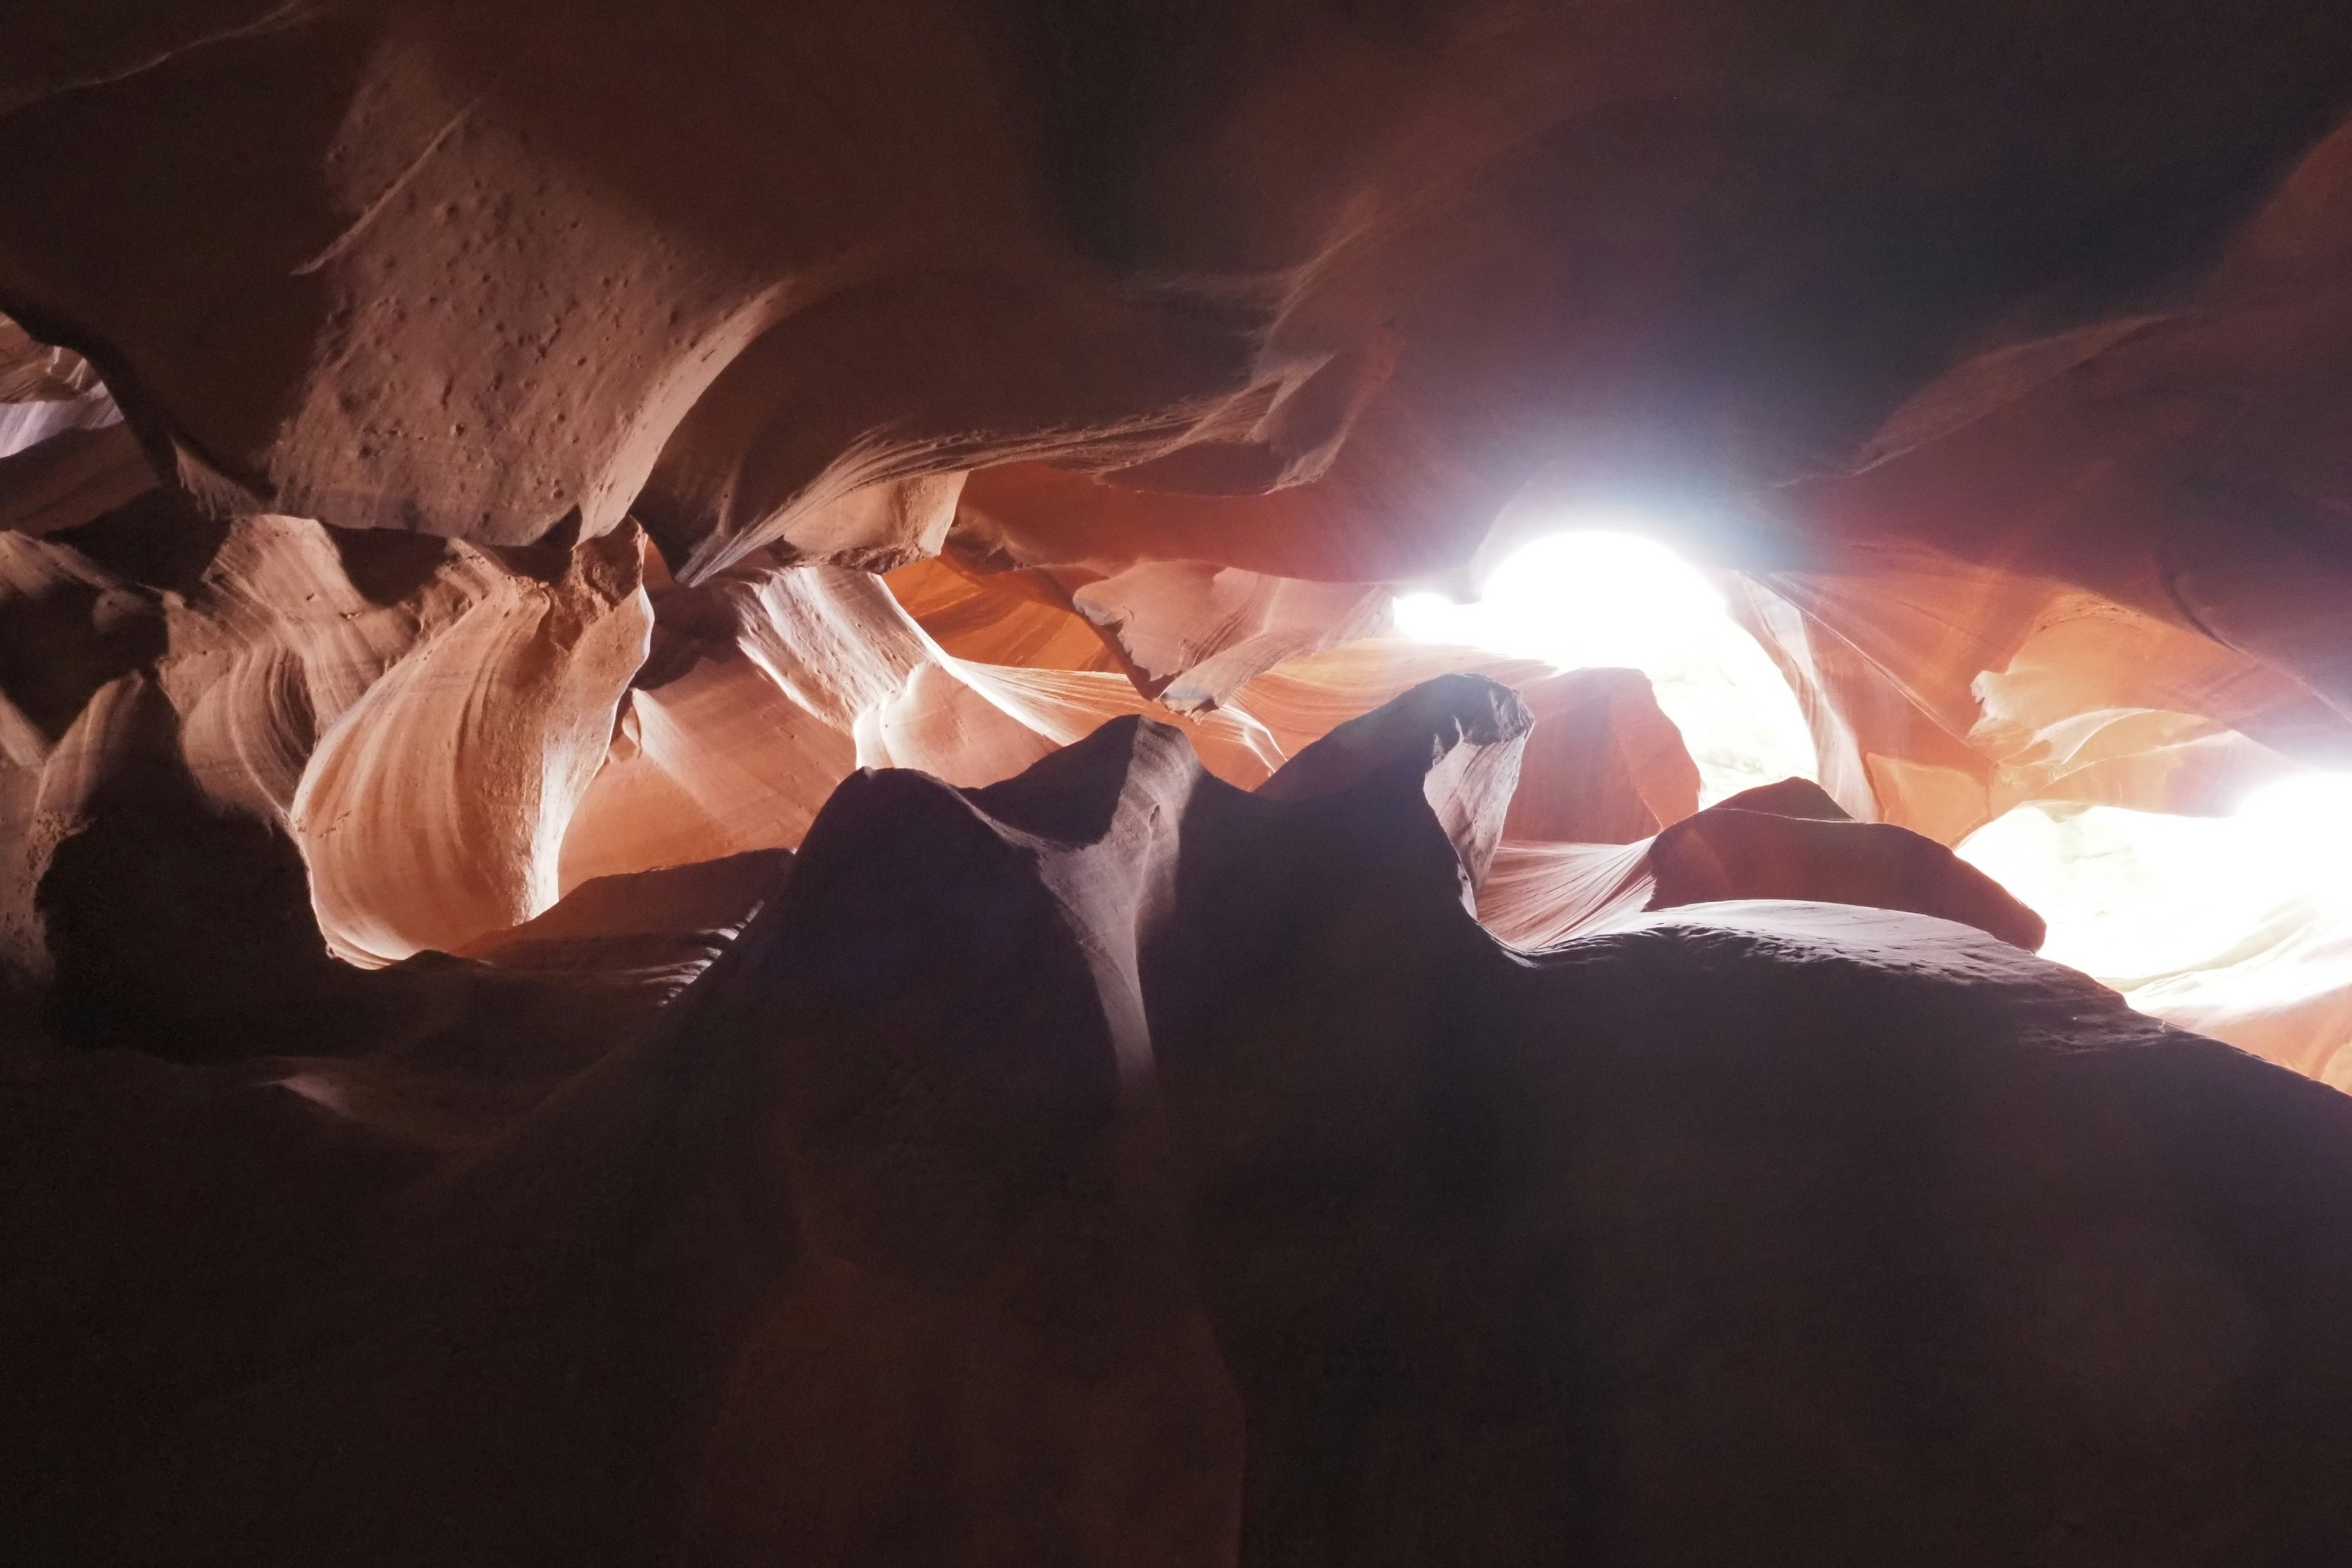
(32, 372)
(1941, 695)
(1013, 615)
(1460, 736)
(767, 685)
(231, 747)
(1208, 401)
(45, 391)
(1113, 1166)
(1784, 841)
(764, 689)
(710, 849)
(1303, 290)
(1219, 321)
(401, 741)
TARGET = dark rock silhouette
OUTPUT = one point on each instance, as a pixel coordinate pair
(1113, 1166)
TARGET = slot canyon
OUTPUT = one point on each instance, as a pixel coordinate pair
(1176, 783)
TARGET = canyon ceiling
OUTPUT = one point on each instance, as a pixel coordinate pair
(709, 849)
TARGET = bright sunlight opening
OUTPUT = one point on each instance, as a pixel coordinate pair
(2133, 894)
(1601, 598)
(2235, 925)
(2214, 921)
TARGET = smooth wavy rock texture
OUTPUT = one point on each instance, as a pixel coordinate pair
(1111, 1165)
(1769, 843)
(1201, 324)
(711, 849)
(230, 748)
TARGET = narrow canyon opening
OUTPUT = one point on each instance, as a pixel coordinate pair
(1176, 783)
(2231, 922)
(1600, 597)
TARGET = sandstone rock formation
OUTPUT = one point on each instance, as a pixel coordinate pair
(400, 727)
(710, 847)
(1785, 841)
(1112, 1165)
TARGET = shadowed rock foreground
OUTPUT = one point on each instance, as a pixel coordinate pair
(1112, 1165)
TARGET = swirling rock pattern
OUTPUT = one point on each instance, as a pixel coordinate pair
(706, 848)
(234, 746)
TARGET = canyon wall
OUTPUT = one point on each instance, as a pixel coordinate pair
(711, 845)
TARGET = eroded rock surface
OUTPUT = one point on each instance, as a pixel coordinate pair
(232, 746)
(551, 1010)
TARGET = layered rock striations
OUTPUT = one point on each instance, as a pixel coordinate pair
(244, 744)
(710, 850)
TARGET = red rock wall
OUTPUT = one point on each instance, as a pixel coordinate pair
(708, 847)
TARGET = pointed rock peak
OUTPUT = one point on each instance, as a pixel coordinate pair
(1418, 727)
(944, 1046)
(1458, 735)
(1074, 795)
(670, 901)
(1790, 798)
(899, 864)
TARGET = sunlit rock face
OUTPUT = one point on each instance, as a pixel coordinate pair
(740, 819)
(235, 747)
